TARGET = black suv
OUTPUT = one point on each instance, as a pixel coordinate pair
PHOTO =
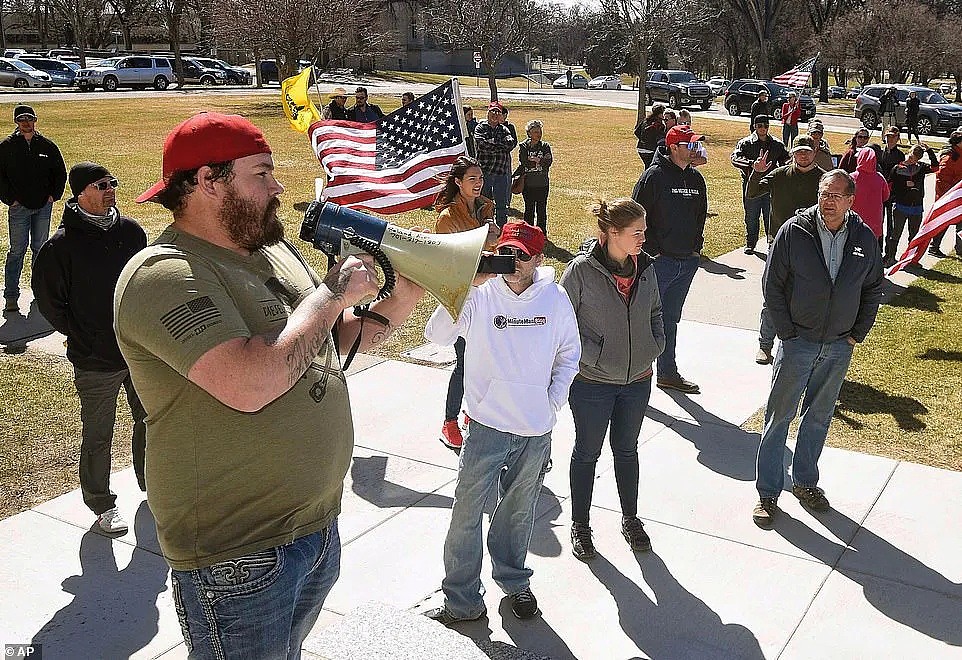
(742, 93)
(235, 74)
(678, 89)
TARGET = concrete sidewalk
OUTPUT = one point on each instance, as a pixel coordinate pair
(877, 576)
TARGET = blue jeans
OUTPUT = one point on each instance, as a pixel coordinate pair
(516, 465)
(766, 330)
(261, 605)
(452, 404)
(817, 370)
(594, 406)
(755, 208)
(674, 281)
(28, 227)
(497, 187)
(789, 133)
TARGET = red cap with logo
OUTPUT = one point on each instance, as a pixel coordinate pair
(494, 105)
(681, 133)
(205, 138)
(523, 236)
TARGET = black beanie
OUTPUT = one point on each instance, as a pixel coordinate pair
(83, 174)
(22, 110)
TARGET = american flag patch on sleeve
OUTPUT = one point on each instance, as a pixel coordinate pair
(191, 317)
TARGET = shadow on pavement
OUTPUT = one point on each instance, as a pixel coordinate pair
(676, 623)
(926, 610)
(16, 329)
(114, 611)
(718, 268)
(866, 400)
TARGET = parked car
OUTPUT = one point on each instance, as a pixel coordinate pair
(235, 74)
(742, 93)
(604, 82)
(13, 52)
(134, 71)
(836, 92)
(853, 93)
(945, 89)
(15, 73)
(270, 73)
(195, 73)
(61, 75)
(578, 81)
(936, 114)
(717, 84)
(678, 89)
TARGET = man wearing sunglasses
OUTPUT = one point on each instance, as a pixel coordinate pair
(522, 354)
(74, 276)
(822, 285)
(32, 178)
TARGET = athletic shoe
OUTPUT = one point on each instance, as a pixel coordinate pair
(678, 383)
(634, 532)
(451, 436)
(112, 522)
(581, 545)
(764, 513)
(524, 604)
(764, 356)
(811, 497)
(443, 616)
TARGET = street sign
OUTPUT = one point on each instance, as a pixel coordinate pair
(477, 57)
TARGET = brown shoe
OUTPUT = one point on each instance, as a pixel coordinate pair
(764, 513)
(11, 305)
(764, 356)
(811, 497)
(679, 384)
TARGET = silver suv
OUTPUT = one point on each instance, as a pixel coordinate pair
(134, 71)
(936, 114)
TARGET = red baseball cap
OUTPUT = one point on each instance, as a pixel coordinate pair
(525, 237)
(205, 138)
(494, 105)
(681, 133)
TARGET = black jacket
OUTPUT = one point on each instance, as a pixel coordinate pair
(352, 112)
(887, 102)
(336, 111)
(902, 174)
(912, 109)
(676, 201)
(799, 293)
(74, 276)
(30, 172)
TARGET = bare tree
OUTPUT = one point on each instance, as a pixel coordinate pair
(497, 28)
(82, 16)
(760, 17)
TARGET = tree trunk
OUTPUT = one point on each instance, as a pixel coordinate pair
(642, 77)
(763, 64)
(958, 86)
(823, 84)
(175, 46)
(257, 69)
(492, 80)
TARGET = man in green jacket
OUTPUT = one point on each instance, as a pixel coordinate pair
(792, 187)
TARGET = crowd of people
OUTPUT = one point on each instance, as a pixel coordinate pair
(224, 338)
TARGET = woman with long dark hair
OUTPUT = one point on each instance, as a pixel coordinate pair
(612, 287)
(649, 132)
(461, 207)
(908, 192)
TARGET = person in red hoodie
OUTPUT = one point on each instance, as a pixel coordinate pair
(791, 113)
(871, 192)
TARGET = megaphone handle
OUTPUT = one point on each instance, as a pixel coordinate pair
(373, 249)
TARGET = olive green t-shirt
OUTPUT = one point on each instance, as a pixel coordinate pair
(223, 483)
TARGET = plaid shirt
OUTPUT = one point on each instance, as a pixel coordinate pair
(494, 145)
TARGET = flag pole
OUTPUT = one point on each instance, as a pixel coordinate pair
(456, 97)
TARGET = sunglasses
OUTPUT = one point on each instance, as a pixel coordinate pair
(103, 185)
(835, 197)
(520, 255)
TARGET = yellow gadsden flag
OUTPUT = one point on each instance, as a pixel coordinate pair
(298, 107)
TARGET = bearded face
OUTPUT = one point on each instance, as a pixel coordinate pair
(247, 224)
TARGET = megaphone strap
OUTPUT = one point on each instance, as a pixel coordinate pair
(373, 249)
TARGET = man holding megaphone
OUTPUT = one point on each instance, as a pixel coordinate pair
(233, 344)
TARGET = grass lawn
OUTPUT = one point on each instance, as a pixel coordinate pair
(594, 156)
(902, 396)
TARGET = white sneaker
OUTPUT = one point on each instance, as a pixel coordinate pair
(112, 522)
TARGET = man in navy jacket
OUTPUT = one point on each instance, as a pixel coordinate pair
(822, 285)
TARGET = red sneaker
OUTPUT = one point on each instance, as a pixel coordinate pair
(451, 435)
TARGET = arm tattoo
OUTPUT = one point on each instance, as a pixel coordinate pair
(303, 352)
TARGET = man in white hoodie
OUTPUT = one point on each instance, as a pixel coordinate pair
(522, 354)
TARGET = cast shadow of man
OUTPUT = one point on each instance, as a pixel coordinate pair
(867, 400)
(532, 638)
(718, 268)
(114, 612)
(16, 329)
(722, 447)
(675, 623)
(369, 482)
(932, 609)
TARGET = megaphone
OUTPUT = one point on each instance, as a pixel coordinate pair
(442, 264)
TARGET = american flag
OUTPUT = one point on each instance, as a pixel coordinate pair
(398, 163)
(947, 210)
(797, 76)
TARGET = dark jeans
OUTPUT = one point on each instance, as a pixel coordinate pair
(899, 221)
(98, 392)
(261, 605)
(28, 228)
(595, 407)
(674, 281)
(452, 405)
(912, 128)
(754, 209)
(937, 241)
(497, 187)
(536, 203)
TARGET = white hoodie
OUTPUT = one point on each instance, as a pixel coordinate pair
(522, 352)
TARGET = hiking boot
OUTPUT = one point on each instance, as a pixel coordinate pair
(451, 436)
(811, 497)
(112, 522)
(764, 356)
(11, 305)
(764, 513)
(634, 532)
(443, 616)
(524, 604)
(581, 545)
(678, 383)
